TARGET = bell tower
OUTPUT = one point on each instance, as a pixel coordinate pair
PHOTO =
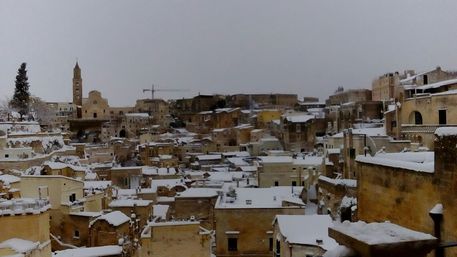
(77, 90)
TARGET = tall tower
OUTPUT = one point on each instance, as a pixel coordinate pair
(77, 91)
(77, 86)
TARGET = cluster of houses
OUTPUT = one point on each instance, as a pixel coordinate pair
(240, 175)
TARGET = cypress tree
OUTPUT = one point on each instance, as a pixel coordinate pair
(21, 96)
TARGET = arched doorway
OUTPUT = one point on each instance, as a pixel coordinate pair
(415, 118)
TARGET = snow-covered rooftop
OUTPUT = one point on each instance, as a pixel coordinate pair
(160, 210)
(19, 245)
(342, 182)
(379, 233)
(114, 218)
(275, 159)
(272, 197)
(416, 161)
(197, 192)
(371, 132)
(299, 118)
(8, 179)
(97, 184)
(98, 251)
(309, 160)
(169, 183)
(129, 203)
(306, 229)
(21, 206)
(147, 170)
(209, 157)
(446, 131)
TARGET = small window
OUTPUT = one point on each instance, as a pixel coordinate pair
(442, 117)
(76, 234)
(95, 115)
(7, 155)
(270, 244)
(72, 197)
(294, 183)
(232, 244)
(276, 183)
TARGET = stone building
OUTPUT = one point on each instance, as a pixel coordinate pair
(288, 171)
(427, 77)
(352, 95)
(247, 101)
(175, 238)
(206, 121)
(107, 229)
(424, 109)
(126, 177)
(244, 217)
(385, 87)
(20, 217)
(95, 106)
(266, 116)
(336, 197)
(301, 235)
(198, 204)
(158, 109)
(141, 208)
(405, 187)
(65, 196)
(298, 132)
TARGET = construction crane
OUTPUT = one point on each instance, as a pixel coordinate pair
(153, 89)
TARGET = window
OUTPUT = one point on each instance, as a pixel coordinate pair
(7, 155)
(232, 244)
(442, 117)
(270, 245)
(417, 118)
(294, 183)
(276, 183)
(352, 153)
(95, 115)
(76, 234)
(72, 197)
(278, 249)
(425, 77)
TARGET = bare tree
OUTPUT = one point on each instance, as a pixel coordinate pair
(6, 110)
(40, 111)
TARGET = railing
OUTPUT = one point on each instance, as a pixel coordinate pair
(23, 205)
(429, 128)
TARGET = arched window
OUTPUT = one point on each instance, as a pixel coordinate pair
(415, 118)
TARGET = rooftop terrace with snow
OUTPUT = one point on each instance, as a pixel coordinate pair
(306, 230)
(273, 197)
(414, 161)
(21, 206)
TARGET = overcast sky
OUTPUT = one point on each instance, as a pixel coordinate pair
(237, 46)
